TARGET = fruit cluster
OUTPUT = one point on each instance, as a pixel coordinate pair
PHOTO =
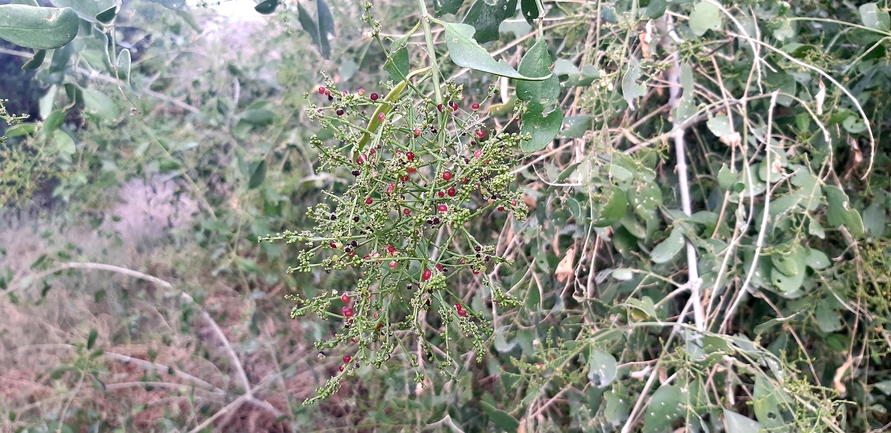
(420, 173)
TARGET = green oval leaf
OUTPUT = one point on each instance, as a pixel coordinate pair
(100, 105)
(705, 17)
(467, 53)
(267, 7)
(501, 418)
(36, 27)
(614, 209)
(875, 18)
(36, 61)
(108, 15)
(666, 250)
(737, 423)
(122, 65)
(602, 367)
(537, 62)
(258, 174)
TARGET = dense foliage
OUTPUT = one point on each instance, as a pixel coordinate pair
(473, 216)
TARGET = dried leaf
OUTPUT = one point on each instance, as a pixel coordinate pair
(564, 268)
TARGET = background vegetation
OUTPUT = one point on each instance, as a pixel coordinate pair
(706, 247)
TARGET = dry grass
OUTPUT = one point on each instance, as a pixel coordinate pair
(168, 364)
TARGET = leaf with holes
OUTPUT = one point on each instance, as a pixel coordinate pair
(787, 261)
(486, 17)
(771, 405)
(530, 11)
(631, 89)
(442, 7)
(542, 126)
(839, 212)
(665, 407)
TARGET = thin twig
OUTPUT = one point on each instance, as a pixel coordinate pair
(678, 132)
(759, 244)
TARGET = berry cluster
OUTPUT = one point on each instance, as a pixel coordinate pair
(421, 171)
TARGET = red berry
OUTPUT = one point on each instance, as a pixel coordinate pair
(345, 298)
(410, 156)
(361, 91)
(381, 116)
(322, 90)
(500, 208)
(478, 153)
(344, 93)
(347, 359)
(463, 261)
(513, 202)
(404, 178)
(439, 107)
(442, 208)
(369, 200)
(333, 244)
(347, 311)
(439, 267)
(427, 274)
(441, 193)
(447, 176)
(406, 211)
(481, 134)
(391, 188)
(475, 272)
(417, 132)
(462, 313)
(411, 169)
(340, 368)
(393, 265)
(463, 180)
(451, 192)
(455, 107)
(374, 96)
(391, 249)
(475, 106)
(339, 112)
